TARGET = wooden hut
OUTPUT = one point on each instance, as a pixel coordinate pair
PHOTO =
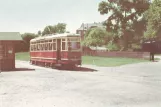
(7, 50)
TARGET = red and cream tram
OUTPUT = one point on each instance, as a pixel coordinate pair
(59, 49)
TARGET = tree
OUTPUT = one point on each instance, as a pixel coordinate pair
(49, 30)
(95, 37)
(26, 38)
(123, 13)
(59, 28)
(153, 17)
(39, 32)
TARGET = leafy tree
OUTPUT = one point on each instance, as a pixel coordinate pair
(67, 31)
(111, 46)
(26, 38)
(59, 28)
(39, 32)
(95, 37)
(153, 16)
(49, 30)
(123, 13)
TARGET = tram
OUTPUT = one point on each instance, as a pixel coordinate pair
(56, 50)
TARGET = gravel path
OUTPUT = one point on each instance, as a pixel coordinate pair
(136, 85)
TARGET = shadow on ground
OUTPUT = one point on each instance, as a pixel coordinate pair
(18, 69)
(24, 69)
(80, 69)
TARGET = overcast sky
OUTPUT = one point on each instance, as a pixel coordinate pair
(33, 15)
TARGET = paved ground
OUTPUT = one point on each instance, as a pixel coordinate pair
(137, 85)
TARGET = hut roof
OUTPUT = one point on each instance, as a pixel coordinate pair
(13, 36)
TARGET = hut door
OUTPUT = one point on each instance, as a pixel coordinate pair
(7, 56)
(10, 56)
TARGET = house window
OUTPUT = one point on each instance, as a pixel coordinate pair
(79, 32)
(84, 31)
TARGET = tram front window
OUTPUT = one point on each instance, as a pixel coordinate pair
(74, 46)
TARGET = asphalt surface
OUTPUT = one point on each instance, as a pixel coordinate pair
(136, 85)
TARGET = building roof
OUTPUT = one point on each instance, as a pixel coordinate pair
(51, 36)
(89, 25)
(15, 36)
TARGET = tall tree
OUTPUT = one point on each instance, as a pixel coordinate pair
(39, 32)
(153, 16)
(59, 28)
(95, 37)
(26, 38)
(49, 30)
(122, 13)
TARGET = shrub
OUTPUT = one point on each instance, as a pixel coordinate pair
(112, 46)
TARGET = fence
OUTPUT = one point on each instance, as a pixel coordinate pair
(118, 54)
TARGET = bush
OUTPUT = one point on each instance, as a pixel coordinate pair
(112, 46)
(136, 47)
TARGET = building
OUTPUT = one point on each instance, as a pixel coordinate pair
(7, 50)
(84, 27)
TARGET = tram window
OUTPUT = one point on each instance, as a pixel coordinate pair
(54, 46)
(40, 47)
(31, 47)
(34, 47)
(37, 47)
(46, 46)
(63, 45)
(50, 46)
(43, 47)
(74, 45)
(54, 40)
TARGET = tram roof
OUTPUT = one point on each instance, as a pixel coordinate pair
(55, 36)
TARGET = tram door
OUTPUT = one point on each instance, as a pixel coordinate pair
(58, 49)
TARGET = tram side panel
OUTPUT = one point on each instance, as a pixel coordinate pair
(71, 58)
(45, 56)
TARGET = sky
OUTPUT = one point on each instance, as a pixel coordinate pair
(33, 15)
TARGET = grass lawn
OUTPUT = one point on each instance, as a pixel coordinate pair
(92, 60)
(104, 61)
(24, 56)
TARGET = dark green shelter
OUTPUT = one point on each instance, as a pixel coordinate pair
(7, 50)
